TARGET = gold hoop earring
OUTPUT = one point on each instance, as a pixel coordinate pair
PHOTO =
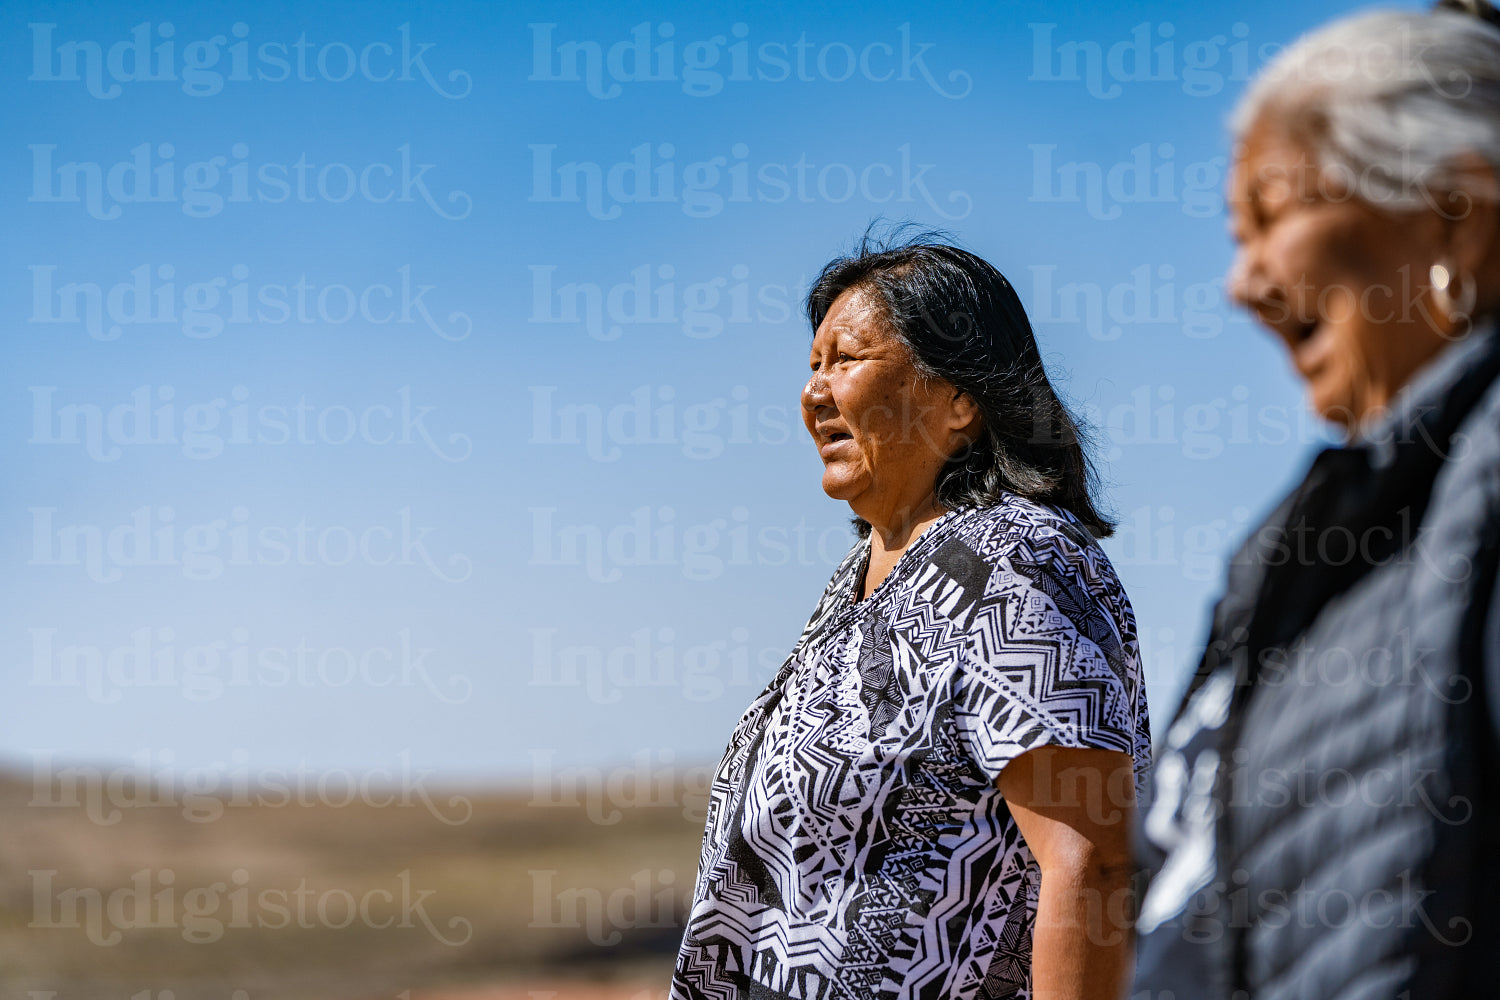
(1455, 296)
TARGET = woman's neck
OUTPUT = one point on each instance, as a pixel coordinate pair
(890, 539)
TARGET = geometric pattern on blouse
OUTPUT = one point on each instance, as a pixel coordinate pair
(856, 846)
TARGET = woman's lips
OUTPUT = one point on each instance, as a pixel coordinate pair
(831, 446)
(1304, 341)
(1309, 351)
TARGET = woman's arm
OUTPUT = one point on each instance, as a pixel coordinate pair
(1075, 807)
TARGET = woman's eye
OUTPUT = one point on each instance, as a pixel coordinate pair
(1267, 214)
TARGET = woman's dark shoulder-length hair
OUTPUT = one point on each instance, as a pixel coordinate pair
(963, 323)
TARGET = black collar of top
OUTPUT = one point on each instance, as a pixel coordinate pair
(1381, 480)
(1362, 505)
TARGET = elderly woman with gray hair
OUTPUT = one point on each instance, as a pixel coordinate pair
(1324, 821)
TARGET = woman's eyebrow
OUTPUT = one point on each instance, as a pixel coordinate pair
(849, 331)
(1254, 202)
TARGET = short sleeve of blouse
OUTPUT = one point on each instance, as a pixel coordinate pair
(1051, 655)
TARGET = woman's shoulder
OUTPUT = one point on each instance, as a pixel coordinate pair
(1052, 586)
(1019, 521)
(1044, 543)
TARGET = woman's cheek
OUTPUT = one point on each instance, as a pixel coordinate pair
(1333, 393)
(1296, 257)
(1338, 304)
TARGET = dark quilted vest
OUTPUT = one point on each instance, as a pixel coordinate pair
(1355, 852)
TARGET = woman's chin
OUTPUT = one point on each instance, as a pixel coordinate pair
(1333, 406)
(841, 487)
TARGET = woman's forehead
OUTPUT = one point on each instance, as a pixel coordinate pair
(1270, 154)
(855, 312)
(1271, 169)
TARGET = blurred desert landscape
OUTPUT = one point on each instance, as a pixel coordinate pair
(116, 888)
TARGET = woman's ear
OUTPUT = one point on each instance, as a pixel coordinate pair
(966, 411)
(1470, 216)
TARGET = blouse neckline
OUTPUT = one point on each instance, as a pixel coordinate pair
(917, 546)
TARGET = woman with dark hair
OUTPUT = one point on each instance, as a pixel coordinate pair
(933, 797)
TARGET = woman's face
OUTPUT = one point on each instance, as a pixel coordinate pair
(883, 432)
(1342, 283)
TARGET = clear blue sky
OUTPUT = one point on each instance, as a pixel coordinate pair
(418, 382)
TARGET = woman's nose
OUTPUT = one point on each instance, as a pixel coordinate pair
(1238, 282)
(815, 392)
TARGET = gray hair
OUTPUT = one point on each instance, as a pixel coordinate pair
(1387, 102)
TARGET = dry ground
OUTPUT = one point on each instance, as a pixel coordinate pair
(506, 899)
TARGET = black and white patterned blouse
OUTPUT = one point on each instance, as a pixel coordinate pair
(856, 845)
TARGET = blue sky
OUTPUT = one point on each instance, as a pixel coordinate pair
(438, 402)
